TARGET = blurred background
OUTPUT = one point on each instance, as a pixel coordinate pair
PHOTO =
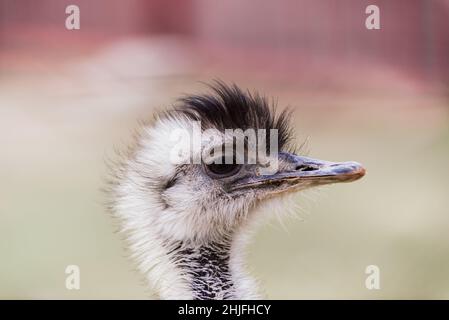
(380, 97)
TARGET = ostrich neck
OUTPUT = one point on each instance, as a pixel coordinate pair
(208, 267)
(214, 270)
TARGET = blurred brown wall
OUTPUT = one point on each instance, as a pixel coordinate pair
(109, 16)
(414, 33)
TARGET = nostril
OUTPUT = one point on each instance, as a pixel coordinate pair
(304, 167)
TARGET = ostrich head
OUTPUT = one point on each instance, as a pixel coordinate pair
(185, 203)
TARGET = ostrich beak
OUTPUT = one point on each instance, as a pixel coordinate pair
(302, 172)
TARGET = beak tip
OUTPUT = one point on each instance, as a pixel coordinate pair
(358, 170)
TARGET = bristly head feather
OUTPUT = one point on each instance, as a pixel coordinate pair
(229, 107)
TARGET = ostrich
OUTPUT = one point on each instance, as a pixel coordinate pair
(186, 224)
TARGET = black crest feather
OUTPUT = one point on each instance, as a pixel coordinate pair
(229, 107)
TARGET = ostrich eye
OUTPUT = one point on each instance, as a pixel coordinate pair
(222, 170)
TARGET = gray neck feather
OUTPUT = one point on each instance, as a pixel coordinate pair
(208, 267)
